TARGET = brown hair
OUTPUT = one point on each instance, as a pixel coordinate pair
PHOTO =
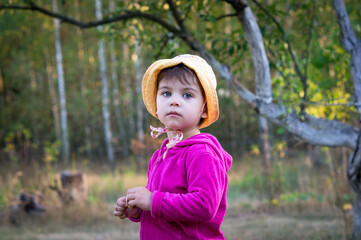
(181, 73)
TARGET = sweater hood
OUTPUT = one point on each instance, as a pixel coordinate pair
(202, 138)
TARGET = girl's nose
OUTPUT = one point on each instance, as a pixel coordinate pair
(174, 101)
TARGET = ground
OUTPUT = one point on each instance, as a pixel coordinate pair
(245, 222)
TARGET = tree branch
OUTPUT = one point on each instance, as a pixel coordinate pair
(317, 131)
(353, 46)
(176, 16)
(126, 16)
(349, 38)
(255, 41)
(164, 42)
(221, 17)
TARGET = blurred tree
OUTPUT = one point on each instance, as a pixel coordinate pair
(115, 94)
(82, 79)
(105, 95)
(61, 85)
(136, 57)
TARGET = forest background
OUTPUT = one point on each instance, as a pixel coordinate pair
(70, 98)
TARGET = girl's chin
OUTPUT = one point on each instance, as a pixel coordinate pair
(173, 125)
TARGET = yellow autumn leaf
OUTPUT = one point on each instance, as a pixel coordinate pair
(144, 8)
(275, 202)
(347, 206)
(302, 93)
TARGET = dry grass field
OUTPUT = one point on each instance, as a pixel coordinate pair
(245, 224)
(250, 216)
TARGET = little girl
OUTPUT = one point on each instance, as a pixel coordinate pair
(185, 197)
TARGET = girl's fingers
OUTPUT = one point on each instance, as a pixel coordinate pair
(119, 209)
(130, 196)
(117, 213)
(130, 200)
(121, 201)
(132, 190)
(131, 204)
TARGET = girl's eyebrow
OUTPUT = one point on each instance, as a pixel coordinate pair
(189, 89)
(163, 87)
(166, 87)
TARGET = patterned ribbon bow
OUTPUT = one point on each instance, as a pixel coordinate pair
(156, 132)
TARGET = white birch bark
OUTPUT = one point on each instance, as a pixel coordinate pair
(352, 44)
(139, 103)
(61, 88)
(263, 87)
(105, 96)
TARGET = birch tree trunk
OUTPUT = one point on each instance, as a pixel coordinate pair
(61, 88)
(353, 45)
(139, 104)
(105, 95)
(266, 152)
(263, 84)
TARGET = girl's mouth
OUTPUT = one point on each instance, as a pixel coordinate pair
(173, 113)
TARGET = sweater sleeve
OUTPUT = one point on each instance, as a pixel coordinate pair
(135, 219)
(206, 178)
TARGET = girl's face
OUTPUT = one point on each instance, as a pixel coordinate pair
(180, 106)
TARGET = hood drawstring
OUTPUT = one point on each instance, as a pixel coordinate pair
(156, 132)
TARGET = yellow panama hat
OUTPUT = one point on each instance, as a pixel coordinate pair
(204, 73)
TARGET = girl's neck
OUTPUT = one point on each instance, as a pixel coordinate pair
(186, 134)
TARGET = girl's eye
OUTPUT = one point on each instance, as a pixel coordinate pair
(187, 95)
(166, 94)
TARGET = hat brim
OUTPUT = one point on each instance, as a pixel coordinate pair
(149, 86)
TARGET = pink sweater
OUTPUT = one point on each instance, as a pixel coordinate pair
(189, 190)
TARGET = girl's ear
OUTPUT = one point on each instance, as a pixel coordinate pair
(204, 114)
(204, 109)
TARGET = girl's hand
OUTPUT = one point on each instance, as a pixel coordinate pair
(139, 197)
(122, 211)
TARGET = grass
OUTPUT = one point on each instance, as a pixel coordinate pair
(302, 205)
